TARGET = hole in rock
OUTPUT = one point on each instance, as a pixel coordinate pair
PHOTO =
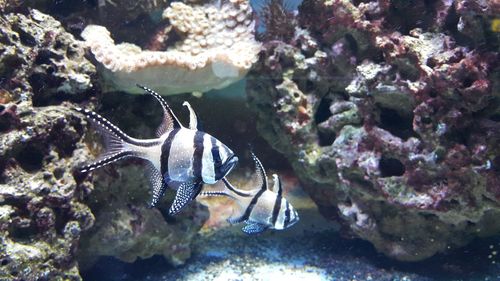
(407, 71)
(495, 117)
(433, 93)
(353, 45)
(467, 82)
(426, 120)
(326, 138)
(496, 163)
(30, 158)
(397, 124)
(459, 136)
(323, 111)
(407, 15)
(390, 167)
(26, 38)
(23, 234)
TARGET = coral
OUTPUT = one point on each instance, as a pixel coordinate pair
(216, 49)
(390, 116)
(276, 19)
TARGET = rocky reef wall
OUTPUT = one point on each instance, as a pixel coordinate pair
(49, 212)
(389, 113)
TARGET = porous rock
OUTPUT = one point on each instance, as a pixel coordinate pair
(44, 200)
(390, 117)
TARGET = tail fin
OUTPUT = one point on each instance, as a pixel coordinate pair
(116, 141)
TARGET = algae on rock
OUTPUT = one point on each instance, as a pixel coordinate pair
(44, 200)
(390, 118)
(41, 200)
(128, 229)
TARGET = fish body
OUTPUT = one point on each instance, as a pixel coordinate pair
(180, 157)
(260, 208)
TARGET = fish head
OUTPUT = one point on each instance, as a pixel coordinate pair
(294, 216)
(288, 216)
(227, 165)
(224, 160)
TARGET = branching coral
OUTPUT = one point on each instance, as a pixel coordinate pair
(217, 49)
(390, 117)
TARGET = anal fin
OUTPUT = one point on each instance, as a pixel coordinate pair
(253, 228)
(186, 192)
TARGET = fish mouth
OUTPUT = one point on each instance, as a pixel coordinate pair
(229, 165)
(293, 222)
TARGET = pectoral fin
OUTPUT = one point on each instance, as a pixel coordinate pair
(185, 194)
(253, 228)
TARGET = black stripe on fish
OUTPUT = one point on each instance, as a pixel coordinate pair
(287, 215)
(106, 161)
(198, 154)
(217, 162)
(165, 154)
(252, 204)
(276, 209)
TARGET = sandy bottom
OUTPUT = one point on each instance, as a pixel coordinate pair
(311, 250)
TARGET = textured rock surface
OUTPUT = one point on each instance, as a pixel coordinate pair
(41, 210)
(390, 116)
(44, 202)
(128, 229)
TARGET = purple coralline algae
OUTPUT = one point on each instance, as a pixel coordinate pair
(389, 112)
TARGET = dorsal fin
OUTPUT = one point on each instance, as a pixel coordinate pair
(194, 121)
(233, 189)
(169, 121)
(277, 187)
(261, 173)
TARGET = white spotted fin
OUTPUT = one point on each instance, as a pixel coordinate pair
(185, 194)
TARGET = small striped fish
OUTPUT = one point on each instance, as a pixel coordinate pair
(180, 157)
(260, 208)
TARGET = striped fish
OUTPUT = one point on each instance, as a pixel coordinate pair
(260, 208)
(180, 157)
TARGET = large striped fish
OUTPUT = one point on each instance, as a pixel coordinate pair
(261, 208)
(180, 157)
